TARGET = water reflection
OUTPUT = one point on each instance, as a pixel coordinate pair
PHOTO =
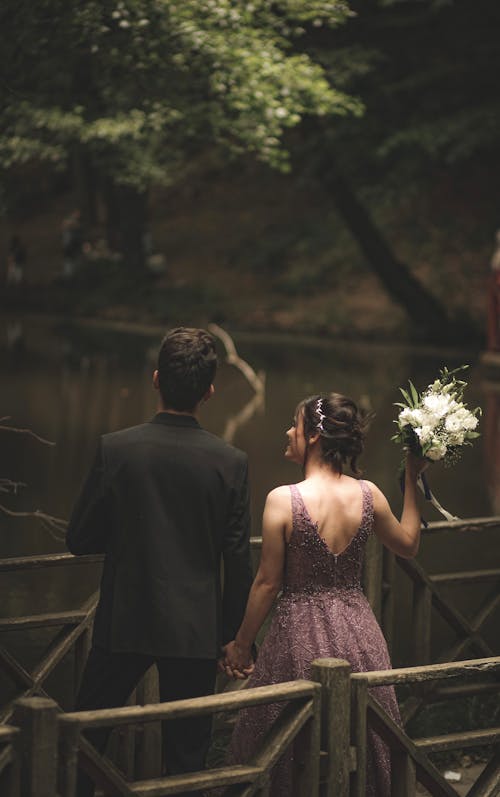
(71, 384)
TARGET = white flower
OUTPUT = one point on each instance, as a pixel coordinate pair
(456, 438)
(437, 451)
(437, 404)
(412, 417)
(424, 433)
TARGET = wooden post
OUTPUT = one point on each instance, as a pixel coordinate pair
(149, 741)
(10, 761)
(372, 575)
(403, 774)
(37, 719)
(307, 769)
(333, 675)
(359, 737)
(69, 746)
(422, 605)
(387, 613)
(82, 648)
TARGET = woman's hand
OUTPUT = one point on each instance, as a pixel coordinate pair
(416, 465)
(237, 661)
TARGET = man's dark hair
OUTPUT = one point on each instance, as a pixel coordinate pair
(187, 363)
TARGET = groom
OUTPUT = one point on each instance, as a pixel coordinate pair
(165, 501)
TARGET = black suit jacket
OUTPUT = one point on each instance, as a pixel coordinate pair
(165, 501)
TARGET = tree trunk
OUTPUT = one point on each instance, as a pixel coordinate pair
(131, 205)
(429, 316)
(84, 178)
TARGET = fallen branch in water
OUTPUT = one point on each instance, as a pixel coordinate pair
(8, 486)
(56, 526)
(23, 431)
(256, 380)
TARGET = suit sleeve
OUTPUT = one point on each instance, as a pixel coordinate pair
(89, 524)
(237, 558)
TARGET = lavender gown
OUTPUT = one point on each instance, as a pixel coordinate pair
(322, 613)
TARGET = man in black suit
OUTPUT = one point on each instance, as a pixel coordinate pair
(165, 502)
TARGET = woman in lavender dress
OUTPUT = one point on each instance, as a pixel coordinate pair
(314, 535)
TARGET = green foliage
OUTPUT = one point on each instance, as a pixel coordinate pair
(144, 86)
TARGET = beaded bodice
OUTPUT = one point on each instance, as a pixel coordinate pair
(310, 565)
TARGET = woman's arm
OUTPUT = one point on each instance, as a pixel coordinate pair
(267, 582)
(401, 537)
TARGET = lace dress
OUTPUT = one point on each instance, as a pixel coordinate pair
(322, 613)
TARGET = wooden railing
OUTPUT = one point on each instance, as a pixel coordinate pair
(74, 634)
(331, 714)
(431, 592)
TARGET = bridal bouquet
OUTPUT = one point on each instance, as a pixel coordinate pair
(436, 423)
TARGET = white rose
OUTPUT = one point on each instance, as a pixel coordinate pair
(456, 438)
(438, 405)
(409, 416)
(437, 451)
(424, 433)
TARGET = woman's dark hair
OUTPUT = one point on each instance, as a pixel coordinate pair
(342, 427)
(187, 363)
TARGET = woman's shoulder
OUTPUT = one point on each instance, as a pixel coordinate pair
(379, 499)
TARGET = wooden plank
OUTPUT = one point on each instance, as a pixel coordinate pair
(403, 774)
(372, 574)
(387, 613)
(193, 707)
(307, 751)
(466, 576)
(102, 771)
(283, 732)
(15, 670)
(465, 526)
(63, 642)
(452, 616)
(395, 737)
(47, 560)
(207, 779)
(41, 620)
(431, 672)
(333, 675)
(456, 741)
(488, 782)
(359, 738)
(149, 741)
(421, 617)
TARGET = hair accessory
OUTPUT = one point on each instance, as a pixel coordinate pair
(322, 416)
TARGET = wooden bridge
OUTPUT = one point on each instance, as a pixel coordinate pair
(42, 746)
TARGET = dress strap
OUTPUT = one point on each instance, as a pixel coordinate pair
(299, 510)
(367, 512)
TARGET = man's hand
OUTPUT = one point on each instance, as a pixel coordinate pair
(237, 661)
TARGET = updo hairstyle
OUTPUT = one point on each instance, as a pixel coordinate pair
(341, 425)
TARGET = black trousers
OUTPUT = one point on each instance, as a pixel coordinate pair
(108, 680)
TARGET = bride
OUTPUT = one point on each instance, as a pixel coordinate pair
(313, 539)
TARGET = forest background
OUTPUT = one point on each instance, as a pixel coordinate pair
(303, 165)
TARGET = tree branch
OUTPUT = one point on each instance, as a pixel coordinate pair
(256, 380)
(23, 431)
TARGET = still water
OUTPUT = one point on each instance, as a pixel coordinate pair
(69, 384)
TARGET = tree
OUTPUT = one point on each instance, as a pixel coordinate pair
(136, 92)
(426, 72)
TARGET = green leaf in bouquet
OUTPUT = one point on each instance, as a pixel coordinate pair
(472, 435)
(414, 393)
(406, 396)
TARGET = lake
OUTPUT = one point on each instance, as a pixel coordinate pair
(70, 383)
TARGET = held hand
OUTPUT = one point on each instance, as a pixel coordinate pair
(238, 662)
